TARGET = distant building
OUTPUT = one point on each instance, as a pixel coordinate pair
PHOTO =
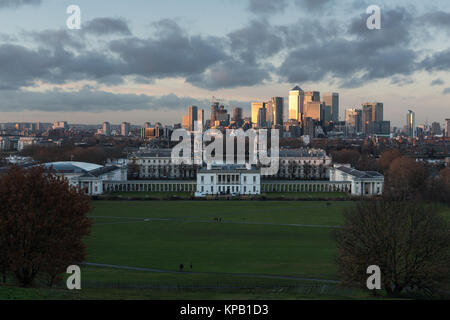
(331, 101)
(277, 111)
(256, 106)
(237, 116)
(411, 124)
(26, 142)
(231, 180)
(60, 125)
(214, 110)
(192, 117)
(222, 117)
(447, 127)
(296, 102)
(353, 120)
(364, 183)
(158, 164)
(303, 164)
(201, 119)
(149, 133)
(371, 112)
(381, 127)
(185, 122)
(262, 114)
(314, 110)
(106, 129)
(436, 129)
(87, 176)
(309, 127)
(125, 129)
(6, 144)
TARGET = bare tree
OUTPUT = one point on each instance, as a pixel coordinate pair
(410, 242)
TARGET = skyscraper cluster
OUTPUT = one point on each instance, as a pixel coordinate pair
(368, 120)
(268, 114)
(308, 104)
(194, 115)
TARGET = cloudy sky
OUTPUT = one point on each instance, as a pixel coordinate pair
(147, 60)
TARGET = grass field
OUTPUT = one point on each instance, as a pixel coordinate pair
(274, 238)
(238, 250)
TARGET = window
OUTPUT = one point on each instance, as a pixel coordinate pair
(254, 179)
(245, 179)
(203, 179)
(212, 179)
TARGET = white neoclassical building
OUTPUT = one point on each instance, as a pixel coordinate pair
(363, 183)
(220, 179)
(87, 176)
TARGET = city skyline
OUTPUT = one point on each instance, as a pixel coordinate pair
(124, 65)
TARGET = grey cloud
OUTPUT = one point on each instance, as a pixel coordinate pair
(446, 91)
(311, 50)
(267, 7)
(230, 74)
(255, 41)
(437, 19)
(18, 3)
(313, 4)
(439, 61)
(57, 38)
(401, 81)
(437, 82)
(104, 26)
(20, 66)
(171, 53)
(395, 31)
(89, 100)
(367, 56)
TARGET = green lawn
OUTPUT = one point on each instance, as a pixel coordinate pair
(262, 238)
(244, 249)
(311, 212)
(14, 293)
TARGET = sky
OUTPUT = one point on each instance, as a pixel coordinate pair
(148, 60)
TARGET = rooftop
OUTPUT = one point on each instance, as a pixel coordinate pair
(72, 167)
(360, 174)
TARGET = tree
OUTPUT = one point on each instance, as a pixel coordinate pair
(349, 156)
(43, 222)
(405, 179)
(438, 187)
(134, 170)
(410, 243)
(386, 159)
